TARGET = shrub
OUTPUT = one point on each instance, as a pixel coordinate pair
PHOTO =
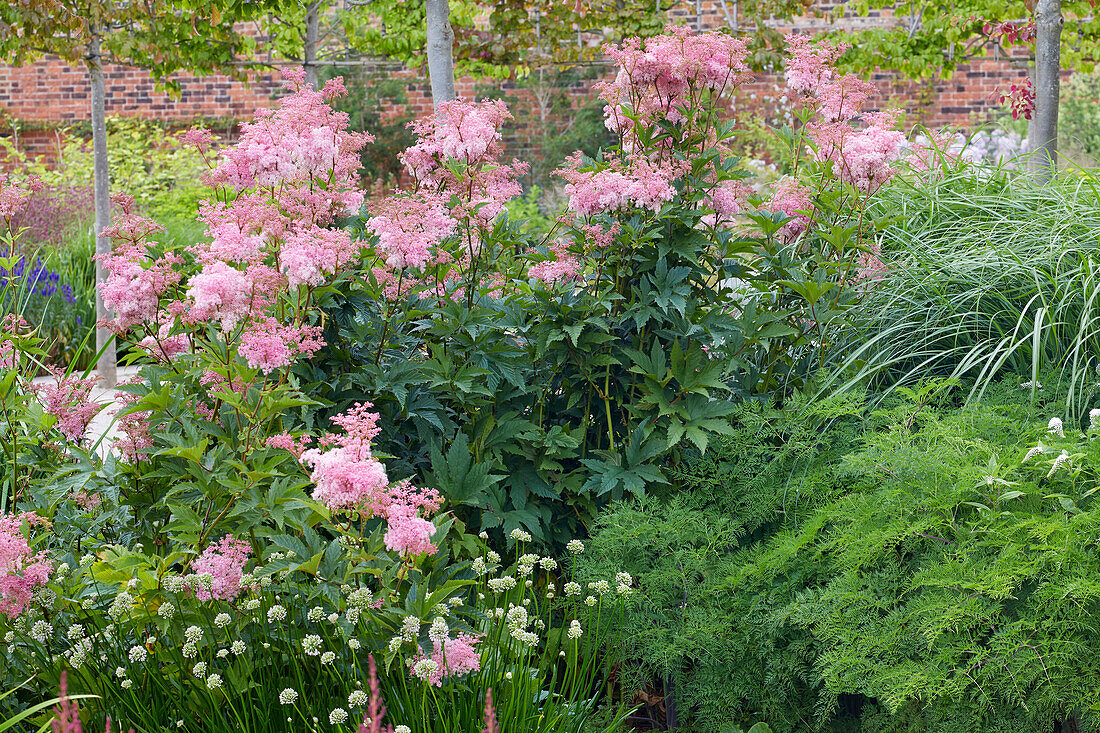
(936, 572)
(532, 382)
(218, 567)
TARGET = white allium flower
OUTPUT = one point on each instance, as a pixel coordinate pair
(222, 620)
(121, 605)
(87, 559)
(492, 557)
(132, 583)
(572, 588)
(238, 647)
(265, 581)
(478, 566)
(333, 618)
(508, 675)
(9, 637)
(222, 653)
(483, 535)
(499, 585)
(339, 716)
(126, 684)
(519, 535)
(315, 614)
(352, 615)
(252, 604)
(166, 611)
(517, 617)
(311, 645)
(600, 586)
(213, 682)
(1054, 427)
(328, 657)
(395, 644)
(120, 672)
(438, 631)
(623, 590)
(288, 697)
(276, 613)
(402, 729)
(425, 668)
(247, 579)
(590, 601)
(199, 670)
(190, 650)
(550, 594)
(575, 546)
(193, 634)
(356, 699)
(138, 654)
(173, 583)
(361, 598)
(410, 627)
(76, 631)
(623, 579)
(575, 629)
(354, 645)
(62, 570)
(548, 563)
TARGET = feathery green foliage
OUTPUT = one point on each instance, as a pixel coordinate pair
(905, 569)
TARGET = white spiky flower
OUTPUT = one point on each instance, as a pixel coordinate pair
(1054, 427)
(1058, 463)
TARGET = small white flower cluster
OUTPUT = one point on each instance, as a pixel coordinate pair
(574, 629)
(1054, 427)
(357, 699)
(311, 645)
(1058, 463)
(520, 536)
(500, 585)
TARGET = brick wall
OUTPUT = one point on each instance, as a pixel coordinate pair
(51, 93)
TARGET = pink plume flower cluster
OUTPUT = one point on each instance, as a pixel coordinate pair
(224, 561)
(69, 401)
(452, 657)
(793, 198)
(860, 157)
(661, 76)
(347, 477)
(461, 188)
(638, 183)
(21, 570)
(136, 280)
(133, 426)
(301, 143)
(14, 197)
(290, 174)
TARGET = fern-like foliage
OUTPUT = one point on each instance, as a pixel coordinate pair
(903, 570)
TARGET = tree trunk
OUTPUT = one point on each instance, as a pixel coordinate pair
(1042, 132)
(441, 67)
(103, 335)
(309, 43)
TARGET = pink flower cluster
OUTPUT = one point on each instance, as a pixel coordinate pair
(638, 183)
(452, 657)
(461, 189)
(859, 157)
(136, 281)
(133, 427)
(224, 561)
(347, 477)
(662, 76)
(300, 144)
(293, 170)
(791, 197)
(14, 198)
(411, 228)
(68, 401)
(21, 571)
